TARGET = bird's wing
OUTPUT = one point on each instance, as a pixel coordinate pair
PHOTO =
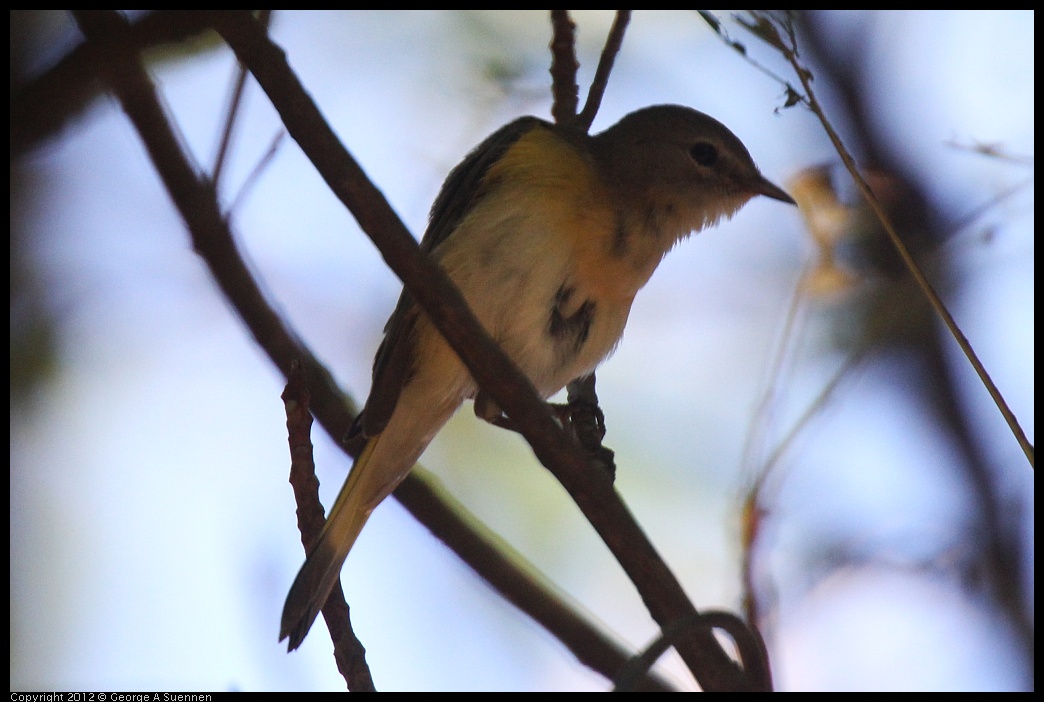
(464, 186)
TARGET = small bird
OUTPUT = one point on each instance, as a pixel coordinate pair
(548, 233)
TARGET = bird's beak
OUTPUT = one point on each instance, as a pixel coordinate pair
(768, 189)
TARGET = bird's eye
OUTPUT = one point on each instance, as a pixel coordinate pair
(704, 153)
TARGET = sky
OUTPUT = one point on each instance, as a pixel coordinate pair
(153, 534)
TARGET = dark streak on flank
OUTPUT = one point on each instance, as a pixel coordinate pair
(569, 333)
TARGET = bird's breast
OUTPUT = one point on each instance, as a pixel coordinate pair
(542, 260)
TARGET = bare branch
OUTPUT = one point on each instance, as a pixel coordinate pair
(348, 650)
(605, 67)
(563, 68)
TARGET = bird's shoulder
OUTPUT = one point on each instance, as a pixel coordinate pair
(463, 186)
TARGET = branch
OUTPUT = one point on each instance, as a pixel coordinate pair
(563, 68)
(348, 650)
(235, 103)
(44, 105)
(605, 67)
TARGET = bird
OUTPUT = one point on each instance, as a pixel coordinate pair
(548, 232)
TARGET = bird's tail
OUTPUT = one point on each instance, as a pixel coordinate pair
(362, 491)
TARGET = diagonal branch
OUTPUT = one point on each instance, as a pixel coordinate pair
(605, 67)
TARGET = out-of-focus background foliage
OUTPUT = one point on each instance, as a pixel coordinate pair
(152, 530)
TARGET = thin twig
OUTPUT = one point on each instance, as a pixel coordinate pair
(968, 218)
(348, 650)
(605, 67)
(234, 104)
(749, 644)
(564, 66)
(255, 173)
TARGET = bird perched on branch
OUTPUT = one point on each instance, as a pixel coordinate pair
(548, 233)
